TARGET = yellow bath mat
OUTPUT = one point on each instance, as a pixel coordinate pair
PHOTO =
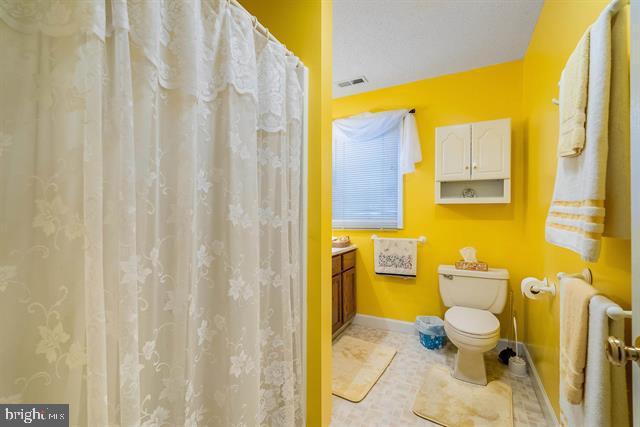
(451, 402)
(357, 366)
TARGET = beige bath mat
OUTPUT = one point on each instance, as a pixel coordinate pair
(357, 366)
(451, 402)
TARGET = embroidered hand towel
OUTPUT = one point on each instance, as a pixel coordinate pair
(573, 100)
(395, 257)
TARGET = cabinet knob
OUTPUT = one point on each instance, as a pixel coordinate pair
(475, 166)
(467, 167)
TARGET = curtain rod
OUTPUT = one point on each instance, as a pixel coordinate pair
(262, 29)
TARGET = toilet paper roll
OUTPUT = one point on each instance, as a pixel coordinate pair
(526, 285)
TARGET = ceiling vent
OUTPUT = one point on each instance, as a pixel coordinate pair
(352, 82)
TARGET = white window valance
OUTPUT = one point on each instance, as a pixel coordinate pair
(368, 126)
(371, 153)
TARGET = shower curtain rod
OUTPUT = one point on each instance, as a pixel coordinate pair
(263, 30)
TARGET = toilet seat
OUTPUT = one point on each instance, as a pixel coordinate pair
(472, 323)
(472, 330)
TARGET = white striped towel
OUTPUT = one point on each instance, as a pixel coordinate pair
(576, 216)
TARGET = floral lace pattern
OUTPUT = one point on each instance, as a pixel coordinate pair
(198, 46)
(150, 245)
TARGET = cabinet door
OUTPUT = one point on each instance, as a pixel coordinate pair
(336, 264)
(348, 294)
(453, 153)
(491, 149)
(336, 303)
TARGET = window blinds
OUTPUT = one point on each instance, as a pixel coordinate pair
(367, 185)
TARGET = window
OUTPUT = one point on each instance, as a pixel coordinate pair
(367, 183)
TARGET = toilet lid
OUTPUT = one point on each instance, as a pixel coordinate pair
(472, 321)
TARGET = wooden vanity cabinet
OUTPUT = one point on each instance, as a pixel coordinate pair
(343, 290)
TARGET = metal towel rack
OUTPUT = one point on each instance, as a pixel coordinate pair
(586, 275)
(618, 313)
(613, 8)
(420, 239)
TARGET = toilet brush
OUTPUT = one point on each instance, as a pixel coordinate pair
(517, 365)
(508, 352)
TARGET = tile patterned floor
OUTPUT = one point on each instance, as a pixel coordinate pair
(390, 401)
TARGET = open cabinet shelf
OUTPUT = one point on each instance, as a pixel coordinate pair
(486, 191)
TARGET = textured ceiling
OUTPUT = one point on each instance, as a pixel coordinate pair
(398, 41)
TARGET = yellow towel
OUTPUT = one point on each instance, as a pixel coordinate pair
(574, 324)
(573, 100)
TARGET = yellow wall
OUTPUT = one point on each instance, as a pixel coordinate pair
(496, 231)
(559, 27)
(510, 236)
(305, 28)
(521, 90)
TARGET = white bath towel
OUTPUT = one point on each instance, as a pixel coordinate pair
(605, 391)
(395, 257)
(576, 216)
(618, 200)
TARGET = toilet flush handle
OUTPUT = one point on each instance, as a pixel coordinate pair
(448, 276)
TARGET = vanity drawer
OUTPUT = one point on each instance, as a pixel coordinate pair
(336, 265)
(348, 260)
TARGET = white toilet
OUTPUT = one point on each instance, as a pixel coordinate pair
(473, 297)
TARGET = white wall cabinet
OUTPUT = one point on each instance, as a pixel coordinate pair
(491, 149)
(453, 153)
(473, 162)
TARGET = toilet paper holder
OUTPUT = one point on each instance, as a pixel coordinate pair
(544, 287)
(536, 287)
(533, 288)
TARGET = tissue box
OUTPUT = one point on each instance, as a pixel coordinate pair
(475, 266)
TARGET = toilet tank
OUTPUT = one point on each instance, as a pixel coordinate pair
(484, 290)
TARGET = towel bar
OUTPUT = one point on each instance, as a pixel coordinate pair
(618, 313)
(615, 6)
(420, 239)
(585, 275)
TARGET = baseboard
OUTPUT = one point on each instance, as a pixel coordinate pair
(504, 343)
(341, 330)
(384, 323)
(408, 328)
(541, 394)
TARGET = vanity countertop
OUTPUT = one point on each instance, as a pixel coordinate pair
(338, 251)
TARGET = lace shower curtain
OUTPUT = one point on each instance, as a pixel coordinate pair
(150, 189)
